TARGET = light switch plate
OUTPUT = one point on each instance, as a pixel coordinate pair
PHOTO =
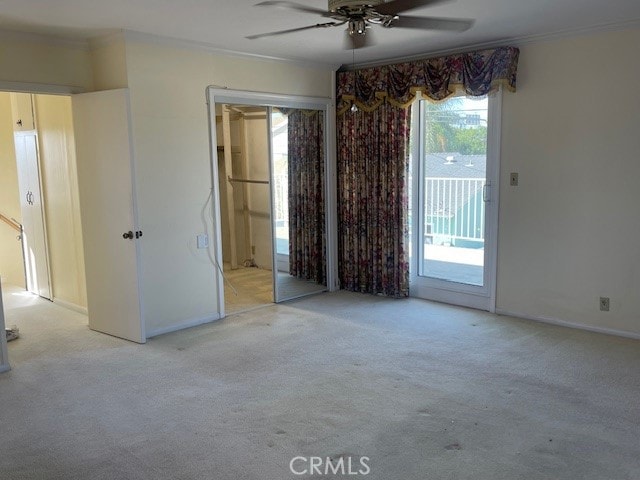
(203, 240)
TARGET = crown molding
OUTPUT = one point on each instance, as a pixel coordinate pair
(575, 32)
(39, 38)
(172, 42)
(28, 87)
(134, 36)
(519, 41)
(107, 39)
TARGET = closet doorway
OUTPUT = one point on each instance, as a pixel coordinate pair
(243, 168)
(270, 158)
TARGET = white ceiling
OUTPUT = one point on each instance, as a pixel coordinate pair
(224, 24)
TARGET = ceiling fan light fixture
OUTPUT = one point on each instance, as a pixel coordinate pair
(360, 15)
(336, 5)
(357, 27)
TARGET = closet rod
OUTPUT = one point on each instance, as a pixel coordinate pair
(243, 180)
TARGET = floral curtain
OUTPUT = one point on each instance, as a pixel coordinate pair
(373, 164)
(474, 74)
(306, 195)
(373, 151)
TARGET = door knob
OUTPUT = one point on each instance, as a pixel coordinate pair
(128, 235)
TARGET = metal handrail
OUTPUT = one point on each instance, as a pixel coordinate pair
(12, 223)
(17, 226)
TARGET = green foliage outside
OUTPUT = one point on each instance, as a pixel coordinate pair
(444, 133)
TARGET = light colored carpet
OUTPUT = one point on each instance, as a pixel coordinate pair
(426, 391)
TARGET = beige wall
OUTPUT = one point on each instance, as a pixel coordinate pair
(60, 190)
(569, 233)
(173, 170)
(28, 59)
(109, 63)
(11, 266)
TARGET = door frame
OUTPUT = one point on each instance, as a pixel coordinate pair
(262, 99)
(481, 298)
(4, 354)
(43, 89)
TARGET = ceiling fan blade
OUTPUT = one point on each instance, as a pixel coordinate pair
(433, 23)
(291, 30)
(359, 41)
(397, 6)
(293, 6)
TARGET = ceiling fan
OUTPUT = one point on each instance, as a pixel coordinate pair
(360, 15)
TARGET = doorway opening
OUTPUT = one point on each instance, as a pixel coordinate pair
(243, 171)
(41, 249)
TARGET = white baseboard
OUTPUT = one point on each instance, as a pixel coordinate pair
(70, 306)
(564, 323)
(181, 326)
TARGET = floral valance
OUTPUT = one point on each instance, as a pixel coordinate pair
(475, 74)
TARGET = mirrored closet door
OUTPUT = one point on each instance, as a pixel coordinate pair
(298, 190)
(271, 183)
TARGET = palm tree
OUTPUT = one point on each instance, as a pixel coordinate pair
(444, 133)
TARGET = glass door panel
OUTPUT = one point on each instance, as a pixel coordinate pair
(454, 199)
(297, 179)
(454, 175)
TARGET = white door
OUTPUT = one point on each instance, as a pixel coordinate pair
(455, 200)
(110, 233)
(35, 245)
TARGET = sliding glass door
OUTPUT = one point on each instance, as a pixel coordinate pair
(454, 201)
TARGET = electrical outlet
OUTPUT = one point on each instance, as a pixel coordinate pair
(513, 179)
(604, 304)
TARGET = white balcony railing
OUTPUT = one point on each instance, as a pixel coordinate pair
(454, 209)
